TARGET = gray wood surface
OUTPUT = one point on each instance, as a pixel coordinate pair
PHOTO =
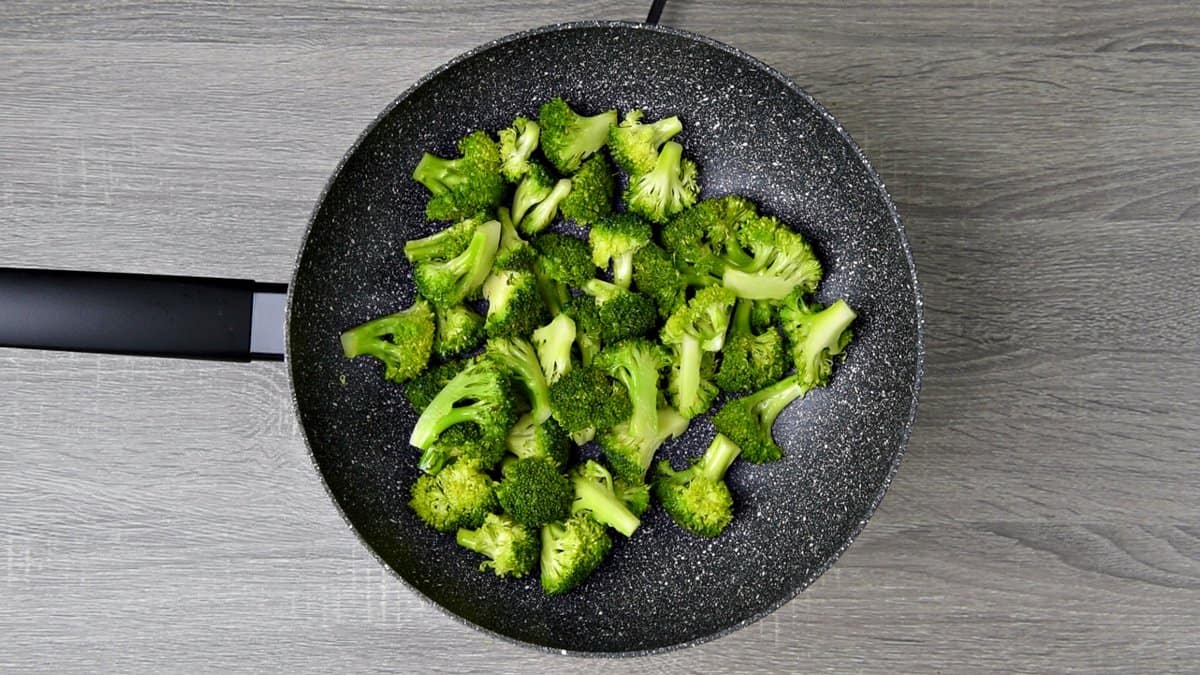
(164, 516)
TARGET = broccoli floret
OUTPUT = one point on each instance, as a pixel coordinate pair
(667, 189)
(515, 306)
(635, 495)
(461, 495)
(748, 421)
(459, 330)
(553, 343)
(443, 244)
(463, 441)
(480, 393)
(817, 336)
(591, 196)
(595, 495)
(705, 238)
(465, 186)
(617, 239)
(517, 357)
(583, 311)
(634, 145)
(517, 144)
(655, 275)
(568, 137)
(635, 363)
(697, 497)
(763, 314)
(448, 282)
(571, 551)
(513, 253)
(630, 456)
(422, 389)
(533, 491)
(527, 438)
(750, 361)
(511, 548)
(563, 262)
(781, 262)
(585, 398)
(537, 199)
(623, 313)
(693, 329)
(403, 341)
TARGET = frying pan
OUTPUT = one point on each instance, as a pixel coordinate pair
(752, 132)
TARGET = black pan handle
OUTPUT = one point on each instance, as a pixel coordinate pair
(656, 10)
(187, 317)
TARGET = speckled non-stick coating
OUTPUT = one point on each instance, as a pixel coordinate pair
(751, 132)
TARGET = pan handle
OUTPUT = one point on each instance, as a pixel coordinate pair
(656, 10)
(186, 317)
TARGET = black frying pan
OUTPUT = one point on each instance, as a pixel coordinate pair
(752, 132)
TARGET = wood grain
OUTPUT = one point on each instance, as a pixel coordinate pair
(164, 516)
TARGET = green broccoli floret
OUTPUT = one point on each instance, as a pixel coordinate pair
(748, 421)
(517, 144)
(585, 398)
(443, 244)
(592, 188)
(527, 438)
(655, 275)
(463, 441)
(538, 198)
(513, 253)
(697, 497)
(422, 389)
(750, 361)
(517, 357)
(630, 456)
(553, 343)
(461, 495)
(583, 311)
(515, 306)
(616, 239)
(568, 138)
(596, 496)
(635, 495)
(623, 313)
(571, 551)
(817, 336)
(634, 145)
(403, 341)
(465, 186)
(667, 189)
(703, 239)
(781, 262)
(448, 282)
(763, 315)
(511, 548)
(533, 491)
(635, 363)
(480, 393)
(696, 328)
(563, 262)
(459, 330)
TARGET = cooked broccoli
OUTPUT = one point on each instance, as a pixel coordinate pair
(403, 341)
(591, 196)
(616, 239)
(693, 329)
(461, 495)
(635, 363)
(623, 313)
(571, 551)
(568, 137)
(634, 145)
(655, 274)
(422, 389)
(533, 491)
(697, 497)
(517, 144)
(553, 343)
(763, 314)
(563, 262)
(635, 495)
(463, 441)
(480, 393)
(630, 456)
(667, 189)
(538, 198)
(583, 311)
(527, 438)
(816, 335)
(511, 548)
(781, 262)
(748, 421)
(750, 361)
(515, 306)
(585, 398)
(448, 282)
(459, 330)
(595, 495)
(517, 357)
(705, 237)
(465, 186)
(443, 244)
(513, 252)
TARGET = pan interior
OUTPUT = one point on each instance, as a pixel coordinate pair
(751, 134)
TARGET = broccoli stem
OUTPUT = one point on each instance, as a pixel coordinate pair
(755, 286)
(435, 420)
(553, 343)
(665, 129)
(828, 328)
(475, 541)
(438, 175)
(740, 324)
(540, 216)
(690, 357)
(718, 458)
(623, 269)
(604, 506)
(553, 293)
(771, 401)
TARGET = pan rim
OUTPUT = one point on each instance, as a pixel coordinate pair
(875, 179)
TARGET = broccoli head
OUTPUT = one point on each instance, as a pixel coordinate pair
(403, 341)
(571, 551)
(667, 189)
(553, 343)
(622, 313)
(517, 144)
(459, 330)
(443, 244)
(464, 186)
(463, 441)
(538, 198)
(750, 361)
(461, 495)
(533, 491)
(568, 138)
(750, 420)
(513, 252)
(705, 237)
(616, 239)
(517, 357)
(817, 336)
(446, 283)
(511, 548)
(586, 398)
(629, 455)
(782, 261)
(635, 495)
(596, 496)
(480, 393)
(562, 262)
(515, 306)
(697, 497)
(655, 275)
(634, 145)
(527, 438)
(693, 329)
(592, 189)
(422, 389)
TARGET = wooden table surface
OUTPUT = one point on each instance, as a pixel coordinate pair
(163, 515)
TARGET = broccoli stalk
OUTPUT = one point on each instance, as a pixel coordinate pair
(615, 240)
(527, 438)
(403, 341)
(697, 498)
(511, 548)
(571, 551)
(513, 252)
(422, 389)
(582, 310)
(750, 361)
(748, 421)
(630, 456)
(461, 495)
(634, 144)
(465, 186)
(443, 244)
(517, 357)
(449, 282)
(537, 199)
(693, 329)
(596, 496)
(568, 138)
(479, 393)
(517, 144)
(553, 343)
(635, 363)
(667, 189)
(781, 262)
